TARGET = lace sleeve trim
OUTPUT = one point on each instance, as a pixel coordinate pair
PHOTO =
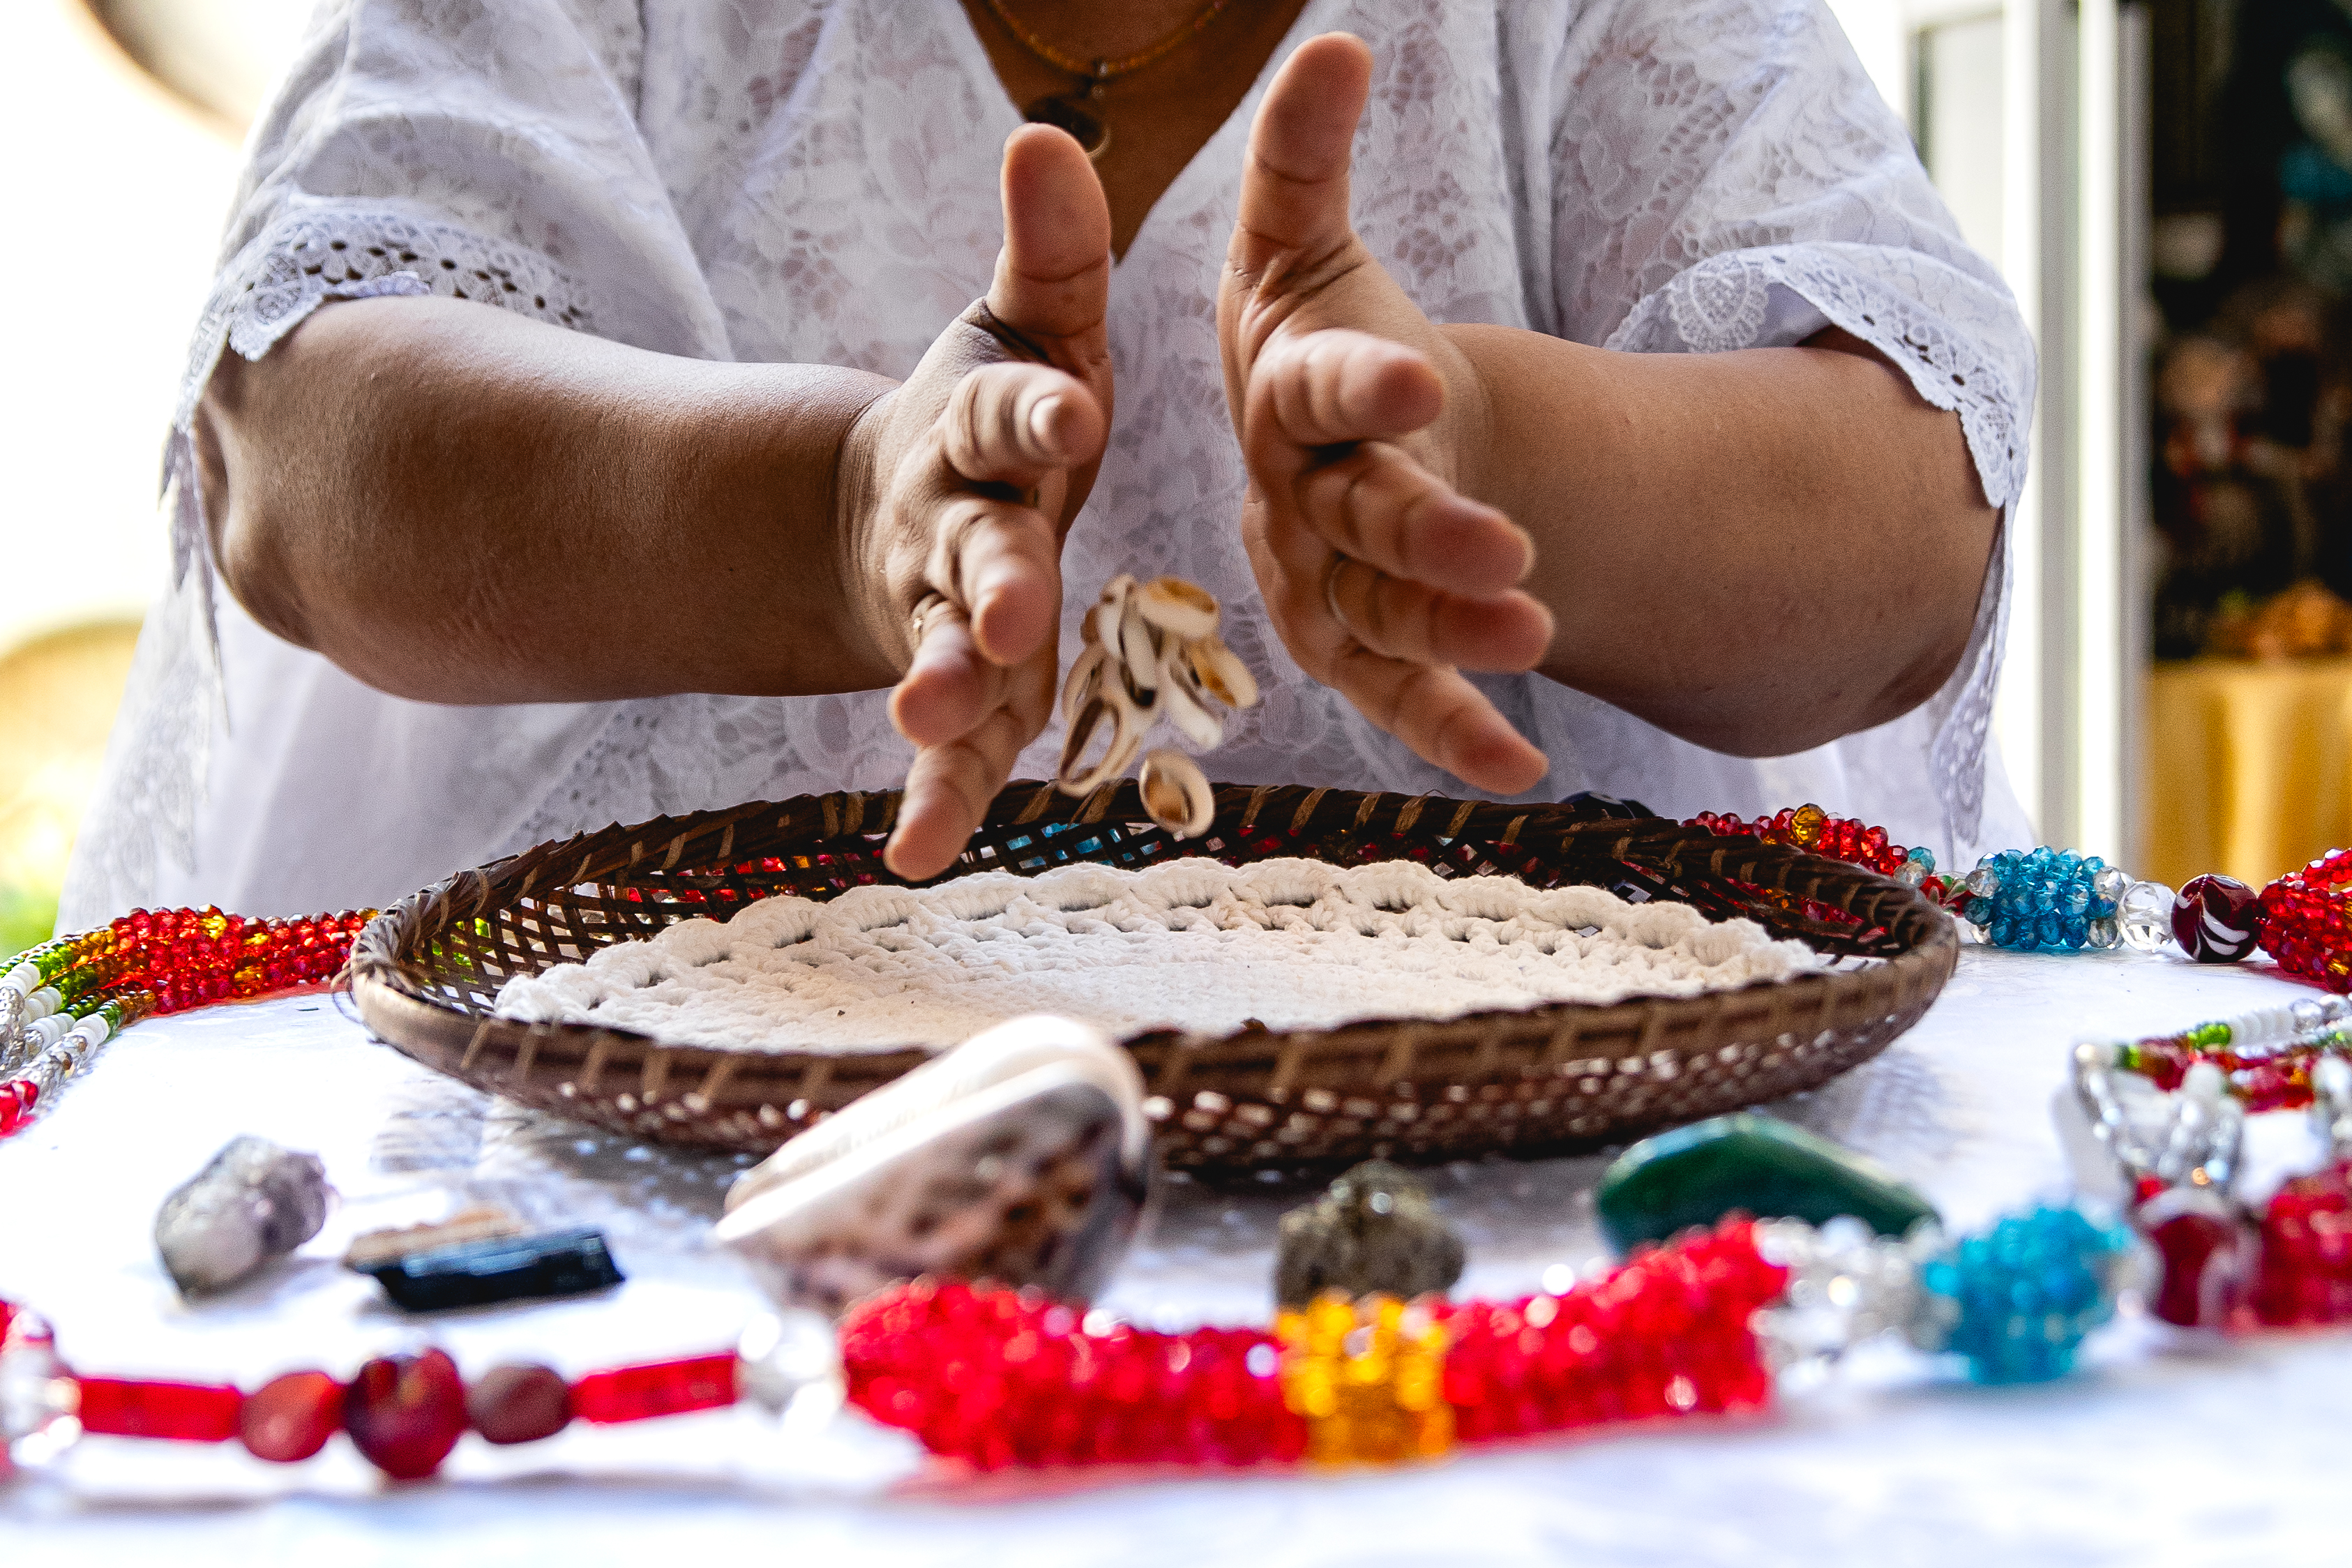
(1725, 301)
(310, 256)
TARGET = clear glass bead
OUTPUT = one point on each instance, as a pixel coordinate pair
(2106, 933)
(1910, 873)
(791, 1367)
(38, 1397)
(1984, 881)
(1846, 1285)
(2111, 883)
(2314, 1013)
(2145, 912)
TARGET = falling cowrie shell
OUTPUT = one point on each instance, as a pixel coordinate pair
(1151, 649)
(1183, 610)
(1197, 724)
(1136, 648)
(1176, 793)
(1223, 675)
(1085, 681)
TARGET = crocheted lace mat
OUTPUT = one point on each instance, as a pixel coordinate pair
(1187, 945)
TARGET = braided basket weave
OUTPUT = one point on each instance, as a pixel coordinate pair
(1538, 1081)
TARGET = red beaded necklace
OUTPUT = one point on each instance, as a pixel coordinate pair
(997, 1377)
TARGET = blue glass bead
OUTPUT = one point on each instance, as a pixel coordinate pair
(2075, 899)
(1980, 911)
(2022, 1295)
(2050, 932)
(2078, 933)
(1923, 857)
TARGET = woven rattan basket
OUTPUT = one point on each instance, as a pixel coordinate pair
(1529, 1081)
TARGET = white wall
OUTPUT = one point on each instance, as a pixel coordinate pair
(116, 198)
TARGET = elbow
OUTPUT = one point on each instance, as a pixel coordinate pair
(246, 523)
(1783, 709)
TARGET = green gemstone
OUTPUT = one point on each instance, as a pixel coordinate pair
(2209, 1035)
(1752, 1164)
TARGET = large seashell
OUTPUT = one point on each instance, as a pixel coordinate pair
(1176, 793)
(1022, 1155)
(1223, 673)
(1185, 611)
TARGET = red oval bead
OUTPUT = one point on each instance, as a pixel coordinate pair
(406, 1413)
(290, 1418)
(519, 1403)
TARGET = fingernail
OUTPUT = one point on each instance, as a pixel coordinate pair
(1041, 420)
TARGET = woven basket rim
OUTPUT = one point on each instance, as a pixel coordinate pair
(393, 972)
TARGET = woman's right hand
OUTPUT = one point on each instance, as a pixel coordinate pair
(955, 491)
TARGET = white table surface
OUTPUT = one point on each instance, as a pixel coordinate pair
(2166, 1450)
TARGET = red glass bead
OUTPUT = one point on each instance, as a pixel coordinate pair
(2205, 1255)
(519, 1403)
(2307, 1250)
(290, 1418)
(406, 1413)
(179, 1412)
(660, 1388)
(2216, 920)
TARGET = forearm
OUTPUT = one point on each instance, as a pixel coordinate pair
(1759, 552)
(459, 505)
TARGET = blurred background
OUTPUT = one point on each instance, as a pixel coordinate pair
(2166, 184)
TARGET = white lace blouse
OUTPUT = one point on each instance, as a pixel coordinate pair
(815, 181)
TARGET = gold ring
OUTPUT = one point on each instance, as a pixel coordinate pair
(1331, 590)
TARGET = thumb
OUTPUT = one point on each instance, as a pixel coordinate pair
(1295, 185)
(1052, 277)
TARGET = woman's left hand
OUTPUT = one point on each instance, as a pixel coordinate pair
(1361, 426)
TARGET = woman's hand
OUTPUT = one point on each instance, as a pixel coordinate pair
(1356, 420)
(958, 486)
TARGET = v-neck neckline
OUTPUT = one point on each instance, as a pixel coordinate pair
(973, 54)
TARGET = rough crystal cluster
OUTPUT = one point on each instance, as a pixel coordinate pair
(1374, 1230)
(255, 1202)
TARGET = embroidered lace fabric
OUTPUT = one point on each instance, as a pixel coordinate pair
(815, 181)
(1291, 944)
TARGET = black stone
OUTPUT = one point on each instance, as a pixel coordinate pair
(1375, 1230)
(503, 1269)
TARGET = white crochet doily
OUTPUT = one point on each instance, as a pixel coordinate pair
(1190, 944)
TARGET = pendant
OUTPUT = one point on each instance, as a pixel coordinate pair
(1073, 112)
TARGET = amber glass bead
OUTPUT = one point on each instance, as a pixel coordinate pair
(406, 1413)
(290, 1418)
(182, 1411)
(519, 1403)
(1367, 1376)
